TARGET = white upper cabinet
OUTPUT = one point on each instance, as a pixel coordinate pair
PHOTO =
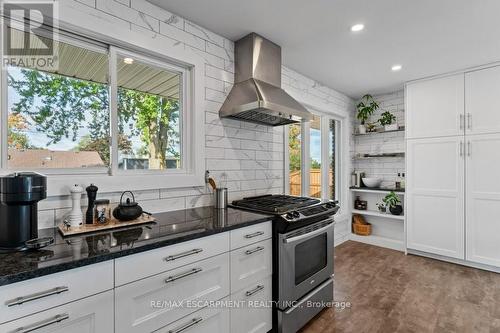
(435, 108)
(482, 110)
(435, 196)
(483, 199)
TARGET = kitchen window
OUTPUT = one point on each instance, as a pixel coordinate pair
(313, 158)
(103, 110)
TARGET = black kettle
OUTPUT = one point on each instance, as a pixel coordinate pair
(128, 210)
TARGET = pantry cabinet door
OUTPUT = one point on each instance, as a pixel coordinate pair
(435, 108)
(435, 196)
(482, 110)
(483, 199)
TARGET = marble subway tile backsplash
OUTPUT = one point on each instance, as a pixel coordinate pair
(247, 158)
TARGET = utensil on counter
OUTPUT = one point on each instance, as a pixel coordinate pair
(128, 210)
(221, 198)
(91, 195)
(211, 181)
(75, 217)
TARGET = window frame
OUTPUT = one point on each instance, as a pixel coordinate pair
(305, 156)
(192, 173)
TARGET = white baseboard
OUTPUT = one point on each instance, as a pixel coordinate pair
(455, 261)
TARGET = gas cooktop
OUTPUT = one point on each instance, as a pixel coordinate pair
(275, 204)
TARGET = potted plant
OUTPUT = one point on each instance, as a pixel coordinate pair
(386, 120)
(392, 201)
(381, 207)
(365, 108)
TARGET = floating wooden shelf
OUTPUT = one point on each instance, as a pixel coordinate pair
(381, 155)
(378, 214)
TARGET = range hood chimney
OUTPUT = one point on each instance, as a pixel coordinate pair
(257, 96)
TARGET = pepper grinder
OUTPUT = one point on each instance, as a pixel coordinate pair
(75, 216)
(91, 195)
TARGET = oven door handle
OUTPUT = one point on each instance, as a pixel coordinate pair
(309, 234)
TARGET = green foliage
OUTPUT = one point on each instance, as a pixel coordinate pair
(386, 118)
(366, 107)
(391, 199)
(59, 106)
(315, 164)
(16, 138)
(294, 147)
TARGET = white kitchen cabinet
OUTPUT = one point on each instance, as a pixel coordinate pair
(34, 295)
(141, 265)
(435, 107)
(89, 315)
(254, 315)
(142, 306)
(250, 264)
(250, 235)
(435, 196)
(483, 199)
(482, 88)
(206, 320)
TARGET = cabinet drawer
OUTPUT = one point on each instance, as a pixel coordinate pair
(141, 265)
(249, 235)
(24, 298)
(250, 264)
(89, 315)
(253, 319)
(143, 306)
(203, 321)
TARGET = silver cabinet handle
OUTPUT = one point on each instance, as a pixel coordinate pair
(257, 249)
(183, 254)
(35, 296)
(186, 326)
(255, 234)
(254, 291)
(182, 275)
(461, 149)
(469, 148)
(44, 323)
(462, 122)
(469, 120)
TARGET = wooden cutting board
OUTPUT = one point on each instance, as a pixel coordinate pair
(112, 224)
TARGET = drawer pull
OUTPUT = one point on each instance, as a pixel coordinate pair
(44, 323)
(254, 291)
(183, 254)
(186, 326)
(35, 296)
(255, 234)
(257, 249)
(182, 275)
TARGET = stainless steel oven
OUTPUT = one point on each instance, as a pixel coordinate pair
(305, 260)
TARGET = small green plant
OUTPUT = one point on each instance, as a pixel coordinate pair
(386, 118)
(366, 107)
(391, 199)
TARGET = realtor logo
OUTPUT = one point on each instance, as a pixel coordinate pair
(29, 34)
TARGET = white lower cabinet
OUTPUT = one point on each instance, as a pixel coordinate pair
(250, 264)
(206, 320)
(254, 313)
(483, 199)
(143, 306)
(89, 315)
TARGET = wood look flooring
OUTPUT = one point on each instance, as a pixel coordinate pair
(391, 292)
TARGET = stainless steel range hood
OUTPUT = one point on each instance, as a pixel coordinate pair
(257, 95)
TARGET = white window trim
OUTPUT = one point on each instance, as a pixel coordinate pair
(341, 163)
(88, 24)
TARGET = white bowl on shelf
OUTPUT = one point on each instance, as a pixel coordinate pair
(372, 181)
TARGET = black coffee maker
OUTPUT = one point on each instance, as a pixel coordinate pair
(19, 196)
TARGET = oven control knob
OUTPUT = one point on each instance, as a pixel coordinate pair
(330, 205)
(289, 216)
(295, 214)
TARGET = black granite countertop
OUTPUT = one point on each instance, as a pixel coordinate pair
(170, 228)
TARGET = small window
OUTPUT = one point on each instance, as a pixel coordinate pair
(59, 119)
(295, 152)
(149, 116)
(315, 158)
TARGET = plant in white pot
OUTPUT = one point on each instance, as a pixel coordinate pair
(387, 120)
(366, 107)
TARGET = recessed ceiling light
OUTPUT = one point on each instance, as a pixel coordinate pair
(396, 68)
(128, 61)
(357, 27)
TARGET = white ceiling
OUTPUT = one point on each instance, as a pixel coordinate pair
(427, 37)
